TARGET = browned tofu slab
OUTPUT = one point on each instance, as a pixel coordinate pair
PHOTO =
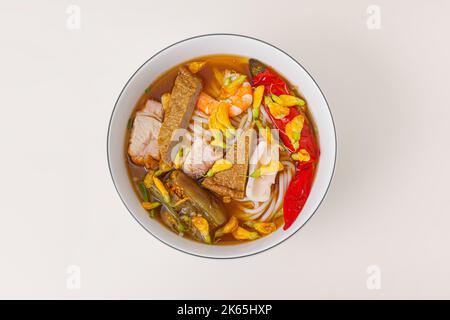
(184, 96)
(232, 182)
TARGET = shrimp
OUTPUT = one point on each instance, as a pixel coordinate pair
(235, 91)
(206, 103)
(241, 100)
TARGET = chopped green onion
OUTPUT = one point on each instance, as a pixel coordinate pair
(143, 191)
(178, 161)
(158, 172)
(277, 99)
(259, 124)
(152, 214)
(130, 124)
(255, 113)
(181, 228)
(267, 100)
(256, 174)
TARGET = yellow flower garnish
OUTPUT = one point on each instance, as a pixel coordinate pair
(229, 227)
(195, 66)
(243, 234)
(150, 205)
(257, 99)
(220, 120)
(273, 167)
(302, 155)
(178, 161)
(230, 88)
(163, 168)
(293, 130)
(148, 180)
(288, 100)
(202, 225)
(162, 189)
(180, 202)
(165, 99)
(218, 75)
(278, 100)
(267, 134)
(277, 110)
(217, 139)
(223, 116)
(263, 228)
(213, 123)
(219, 165)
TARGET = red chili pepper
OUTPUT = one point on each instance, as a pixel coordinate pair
(308, 141)
(300, 186)
(273, 83)
(297, 193)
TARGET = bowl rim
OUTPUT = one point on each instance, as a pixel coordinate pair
(230, 35)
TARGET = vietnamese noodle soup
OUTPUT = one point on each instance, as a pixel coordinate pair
(222, 150)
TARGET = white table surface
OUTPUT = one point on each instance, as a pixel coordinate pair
(388, 205)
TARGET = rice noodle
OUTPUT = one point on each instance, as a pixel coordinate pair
(199, 119)
(266, 210)
(200, 114)
(248, 120)
(195, 128)
(276, 202)
(265, 115)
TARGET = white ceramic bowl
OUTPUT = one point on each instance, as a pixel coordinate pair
(202, 46)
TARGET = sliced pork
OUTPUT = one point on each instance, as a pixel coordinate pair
(200, 158)
(143, 147)
(259, 189)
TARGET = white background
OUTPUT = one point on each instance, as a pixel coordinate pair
(388, 204)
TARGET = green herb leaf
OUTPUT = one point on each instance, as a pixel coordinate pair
(256, 174)
(255, 113)
(144, 191)
(267, 100)
(181, 228)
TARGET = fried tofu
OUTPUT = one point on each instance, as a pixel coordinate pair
(231, 182)
(183, 98)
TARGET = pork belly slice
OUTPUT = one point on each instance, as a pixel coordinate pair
(143, 147)
(183, 98)
(231, 182)
(259, 189)
(200, 159)
(152, 109)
